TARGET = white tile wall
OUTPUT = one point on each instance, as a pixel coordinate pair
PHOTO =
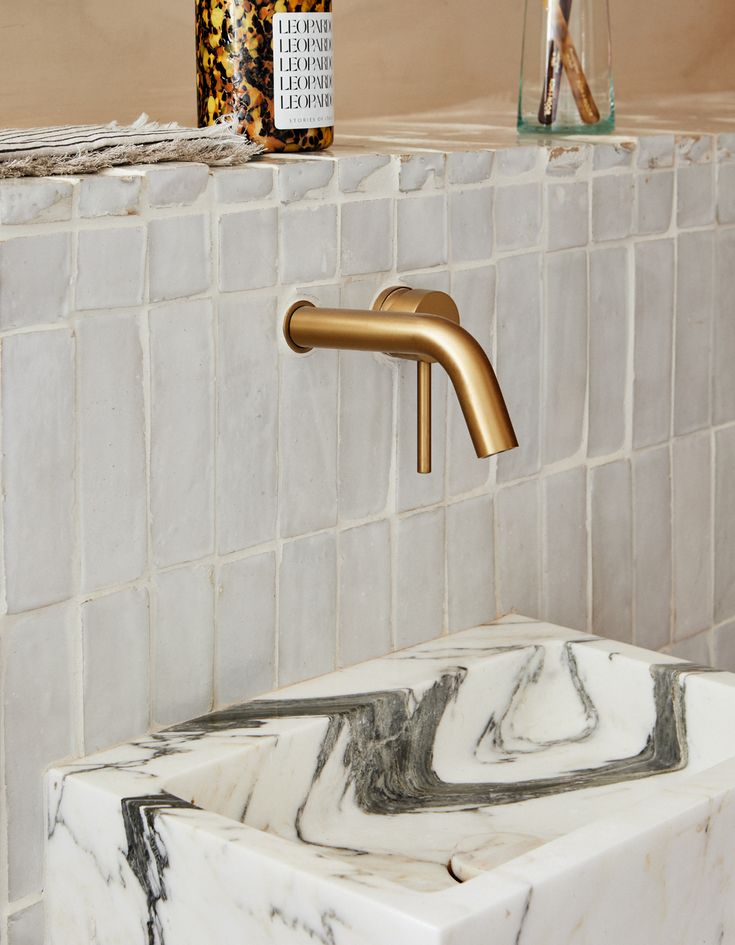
(655, 151)
(112, 450)
(517, 216)
(696, 195)
(565, 356)
(723, 646)
(655, 282)
(178, 256)
(359, 172)
(116, 644)
(655, 192)
(110, 268)
(471, 225)
(612, 154)
(692, 533)
(109, 194)
(183, 609)
(726, 194)
(470, 563)
(724, 524)
(518, 548)
(297, 179)
(419, 578)
(518, 347)
(193, 513)
(246, 452)
(612, 207)
(308, 244)
(422, 232)
(693, 335)
(367, 236)
(40, 683)
(609, 349)
(307, 442)
(423, 171)
(171, 185)
(567, 214)
(307, 611)
(182, 432)
(25, 927)
(366, 395)
(723, 340)
(652, 524)
(469, 167)
(35, 279)
(611, 537)
(565, 548)
(245, 635)
(364, 594)
(256, 267)
(241, 185)
(39, 449)
(33, 201)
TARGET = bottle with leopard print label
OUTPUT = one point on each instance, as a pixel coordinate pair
(269, 62)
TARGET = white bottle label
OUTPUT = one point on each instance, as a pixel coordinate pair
(303, 85)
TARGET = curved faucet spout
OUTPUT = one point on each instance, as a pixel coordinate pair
(424, 337)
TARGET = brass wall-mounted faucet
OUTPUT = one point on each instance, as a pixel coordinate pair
(422, 326)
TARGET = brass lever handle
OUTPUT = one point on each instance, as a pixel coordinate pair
(423, 416)
(420, 302)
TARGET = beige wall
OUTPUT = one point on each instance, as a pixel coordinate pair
(84, 60)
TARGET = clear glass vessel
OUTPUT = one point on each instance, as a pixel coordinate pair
(566, 82)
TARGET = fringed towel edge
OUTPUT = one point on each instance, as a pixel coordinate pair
(150, 143)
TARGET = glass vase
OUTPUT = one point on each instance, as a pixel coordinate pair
(566, 82)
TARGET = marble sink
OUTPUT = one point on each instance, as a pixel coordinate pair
(515, 784)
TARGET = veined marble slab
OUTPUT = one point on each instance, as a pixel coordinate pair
(517, 784)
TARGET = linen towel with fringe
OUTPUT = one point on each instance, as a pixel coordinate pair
(86, 149)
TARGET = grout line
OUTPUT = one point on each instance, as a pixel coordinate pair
(586, 429)
(145, 336)
(337, 542)
(711, 590)
(4, 840)
(214, 248)
(277, 544)
(672, 235)
(672, 526)
(18, 905)
(628, 424)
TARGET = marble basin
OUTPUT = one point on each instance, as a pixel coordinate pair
(516, 784)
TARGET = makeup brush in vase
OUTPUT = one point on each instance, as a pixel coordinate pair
(563, 56)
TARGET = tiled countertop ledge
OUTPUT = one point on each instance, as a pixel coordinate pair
(472, 144)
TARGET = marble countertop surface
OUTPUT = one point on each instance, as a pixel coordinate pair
(470, 789)
(490, 123)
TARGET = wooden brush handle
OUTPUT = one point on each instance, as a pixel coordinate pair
(584, 100)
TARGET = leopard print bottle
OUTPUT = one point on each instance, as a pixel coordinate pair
(235, 70)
